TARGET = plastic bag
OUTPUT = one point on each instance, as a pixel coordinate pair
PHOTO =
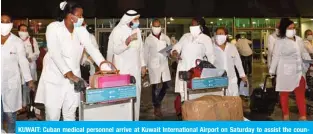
(244, 88)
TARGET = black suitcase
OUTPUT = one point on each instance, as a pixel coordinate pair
(264, 100)
(309, 91)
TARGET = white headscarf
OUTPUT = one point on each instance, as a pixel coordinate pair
(128, 17)
(125, 20)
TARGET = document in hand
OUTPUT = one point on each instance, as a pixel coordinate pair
(308, 61)
(166, 51)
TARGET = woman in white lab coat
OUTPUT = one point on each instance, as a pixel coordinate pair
(66, 40)
(192, 46)
(308, 40)
(13, 64)
(32, 53)
(157, 64)
(227, 58)
(126, 51)
(287, 64)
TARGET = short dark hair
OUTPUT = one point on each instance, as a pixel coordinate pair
(6, 14)
(156, 20)
(222, 28)
(69, 8)
(306, 32)
(21, 25)
(237, 36)
(284, 23)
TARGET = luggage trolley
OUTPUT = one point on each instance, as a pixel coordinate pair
(108, 104)
(206, 86)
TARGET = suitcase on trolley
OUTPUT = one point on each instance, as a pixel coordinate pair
(264, 100)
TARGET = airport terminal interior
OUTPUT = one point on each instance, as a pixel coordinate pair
(254, 29)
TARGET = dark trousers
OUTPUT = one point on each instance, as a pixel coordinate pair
(158, 93)
(238, 77)
(247, 64)
(85, 72)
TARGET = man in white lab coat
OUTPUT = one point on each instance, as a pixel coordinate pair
(157, 63)
(32, 53)
(125, 50)
(87, 61)
(13, 64)
(192, 46)
(270, 45)
(66, 40)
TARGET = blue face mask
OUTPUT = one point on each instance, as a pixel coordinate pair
(79, 22)
(135, 25)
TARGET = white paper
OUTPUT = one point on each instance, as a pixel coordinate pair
(211, 72)
(166, 51)
(244, 90)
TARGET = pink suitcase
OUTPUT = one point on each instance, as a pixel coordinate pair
(104, 79)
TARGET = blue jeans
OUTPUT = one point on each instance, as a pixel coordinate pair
(158, 94)
(10, 117)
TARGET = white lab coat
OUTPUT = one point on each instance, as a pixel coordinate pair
(85, 60)
(309, 46)
(271, 41)
(64, 55)
(287, 63)
(227, 60)
(191, 49)
(32, 55)
(13, 64)
(128, 59)
(156, 62)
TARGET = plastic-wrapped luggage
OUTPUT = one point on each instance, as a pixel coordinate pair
(213, 107)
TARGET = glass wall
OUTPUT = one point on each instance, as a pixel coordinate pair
(252, 28)
(306, 23)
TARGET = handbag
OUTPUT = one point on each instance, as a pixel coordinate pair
(110, 78)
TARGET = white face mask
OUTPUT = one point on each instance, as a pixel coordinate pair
(6, 28)
(156, 30)
(79, 22)
(195, 30)
(220, 39)
(290, 33)
(23, 35)
(310, 37)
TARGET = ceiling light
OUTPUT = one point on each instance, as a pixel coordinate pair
(39, 23)
(168, 22)
(211, 22)
(171, 19)
(311, 19)
(220, 19)
(266, 19)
